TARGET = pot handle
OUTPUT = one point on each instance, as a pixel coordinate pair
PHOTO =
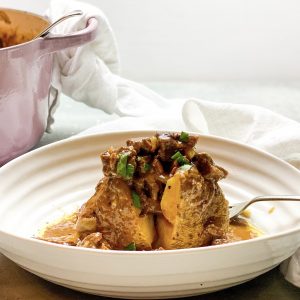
(55, 43)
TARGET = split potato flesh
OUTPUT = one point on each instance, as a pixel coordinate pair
(194, 212)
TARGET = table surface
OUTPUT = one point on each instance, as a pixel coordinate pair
(72, 117)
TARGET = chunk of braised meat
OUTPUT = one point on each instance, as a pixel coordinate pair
(208, 169)
(150, 190)
(157, 167)
(190, 141)
(143, 164)
(165, 145)
(169, 144)
(111, 158)
(150, 187)
(148, 145)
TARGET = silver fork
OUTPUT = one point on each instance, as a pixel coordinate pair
(236, 208)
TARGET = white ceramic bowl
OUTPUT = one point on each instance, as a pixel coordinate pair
(43, 184)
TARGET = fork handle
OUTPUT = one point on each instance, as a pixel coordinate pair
(274, 198)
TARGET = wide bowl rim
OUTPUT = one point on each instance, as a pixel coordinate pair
(33, 240)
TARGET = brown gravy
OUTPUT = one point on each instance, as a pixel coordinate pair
(63, 231)
(240, 229)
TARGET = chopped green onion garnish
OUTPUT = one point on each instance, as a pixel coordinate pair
(123, 169)
(122, 165)
(184, 137)
(136, 199)
(129, 171)
(185, 167)
(130, 247)
(147, 167)
(176, 155)
(182, 160)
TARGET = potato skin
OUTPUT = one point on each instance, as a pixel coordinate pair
(119, 220)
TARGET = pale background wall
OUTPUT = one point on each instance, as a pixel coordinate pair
(202, 39)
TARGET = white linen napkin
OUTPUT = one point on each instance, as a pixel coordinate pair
(248, 124)
(88, 74)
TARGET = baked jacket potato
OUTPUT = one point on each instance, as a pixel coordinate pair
(158, 192)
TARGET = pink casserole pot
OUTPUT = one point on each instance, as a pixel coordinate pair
(25, 77)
